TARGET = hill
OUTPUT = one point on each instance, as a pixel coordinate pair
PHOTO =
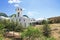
(54, 19)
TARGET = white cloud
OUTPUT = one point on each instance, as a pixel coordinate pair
(14, 1)
(16, 5)
(10, 1)
(40, 19)
(30, 13)
(23, 9)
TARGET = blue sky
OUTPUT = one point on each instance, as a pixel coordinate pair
(32, 8)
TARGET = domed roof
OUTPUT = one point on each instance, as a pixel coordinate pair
(25, 16)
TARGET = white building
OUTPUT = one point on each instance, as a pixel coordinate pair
(22, 19)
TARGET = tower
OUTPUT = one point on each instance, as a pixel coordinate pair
(19, 12)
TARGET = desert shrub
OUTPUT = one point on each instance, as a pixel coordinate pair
(31, 33)
(46, 29)
(1, 38)
(19, 28)
(50, 38)
(11, 25)
(1, 29)
(1, 26)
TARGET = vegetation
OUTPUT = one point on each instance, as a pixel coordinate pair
(1, 26)
(30, 33)
(1, 31)
(6, 26)
(1, 38)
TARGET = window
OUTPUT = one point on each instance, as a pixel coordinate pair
(24, 20)
(19, 19)
(18, 14)
(25, 24)
(18, 8)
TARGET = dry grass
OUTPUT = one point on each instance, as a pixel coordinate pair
(55, 30)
